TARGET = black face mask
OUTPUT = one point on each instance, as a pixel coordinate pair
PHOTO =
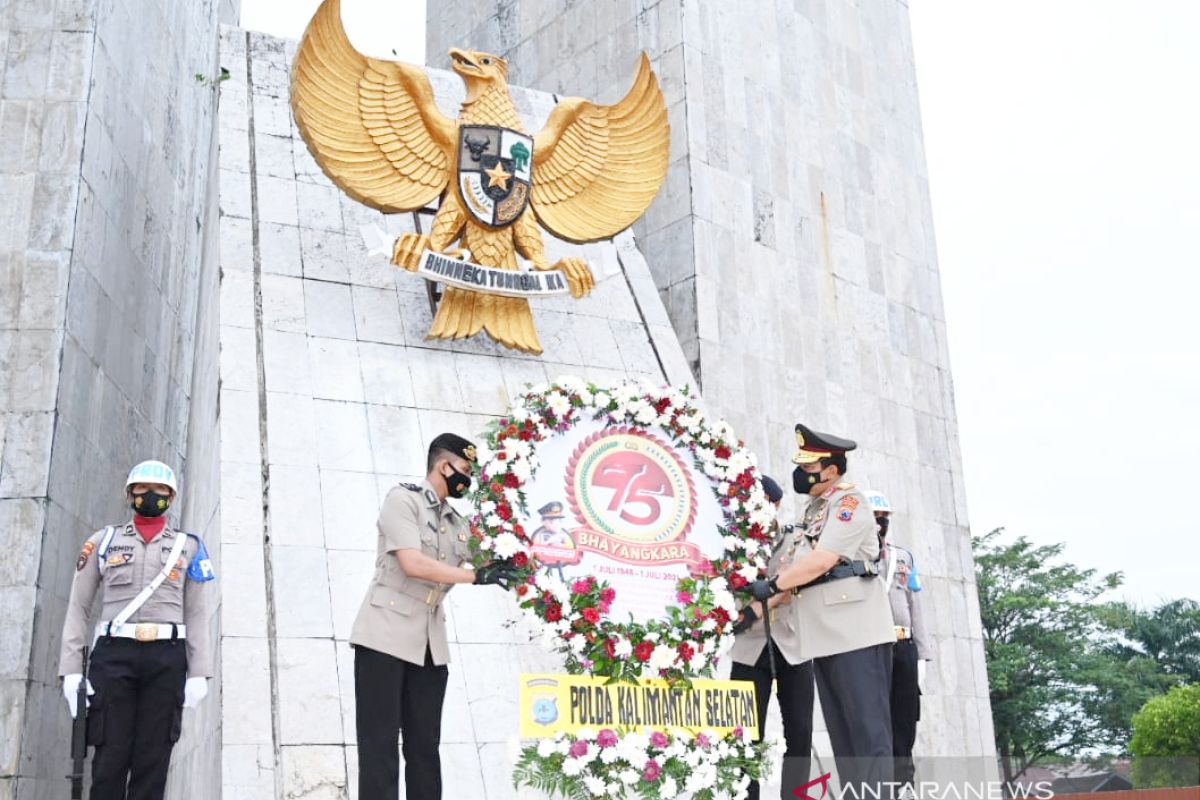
(882, 522)
(150, 503)
(803, 482)
(456, 483)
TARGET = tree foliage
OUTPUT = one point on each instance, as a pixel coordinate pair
(1041, 625)
(1166, 740)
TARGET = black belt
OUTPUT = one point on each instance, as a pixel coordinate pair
(853, 569)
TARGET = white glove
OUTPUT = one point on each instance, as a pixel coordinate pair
(71, 691)
(194, 690)
(921, 675)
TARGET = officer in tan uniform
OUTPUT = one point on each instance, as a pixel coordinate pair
(153, 651)
(911, 650)
(399, 636)
(845, 622)
(751, 654)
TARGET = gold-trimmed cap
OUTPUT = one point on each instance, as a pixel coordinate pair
(812, 446)
(463, 448)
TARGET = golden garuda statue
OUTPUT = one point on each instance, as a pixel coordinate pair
(375, 129)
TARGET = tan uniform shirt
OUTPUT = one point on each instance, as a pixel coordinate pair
(906, 604)
(401, 615)
(130, 563)
(785, 627)
(850, 613)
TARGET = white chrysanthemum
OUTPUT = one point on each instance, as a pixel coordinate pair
(578, 645)
(493, 521)
(662, 657)
(545, 748)
(709, 625)
(601, 399)
(668, 788)
(485, 544)
(723, 488)
(572, 767)
(594, 785)
(624, 648)
(487, 507)
(560, 404)
(506, 545)
(732, 542)
(522, 469)
(645, 414)
(608, 755)
(629, 777)
(520, 413)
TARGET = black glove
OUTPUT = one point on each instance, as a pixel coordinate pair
(745, 620)
(762, 589)
(501, 573)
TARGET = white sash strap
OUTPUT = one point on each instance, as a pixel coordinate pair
(144, 595)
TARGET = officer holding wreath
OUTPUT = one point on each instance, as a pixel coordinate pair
(153, 652)
(399, 635)
(845, 620)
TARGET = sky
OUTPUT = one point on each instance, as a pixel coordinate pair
(1063, 146)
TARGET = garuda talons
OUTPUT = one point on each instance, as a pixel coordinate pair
(375, 129)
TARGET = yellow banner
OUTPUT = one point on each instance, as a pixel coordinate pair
(551, 703)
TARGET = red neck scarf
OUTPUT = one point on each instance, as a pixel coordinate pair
(148, 527)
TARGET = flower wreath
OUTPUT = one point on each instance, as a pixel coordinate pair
(572, 617)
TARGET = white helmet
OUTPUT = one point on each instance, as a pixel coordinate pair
(153, 472)
(877, 501)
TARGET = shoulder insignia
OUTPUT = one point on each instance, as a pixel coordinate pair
(412, 487)
(84, 554)
(431, 497)
(201, 568)
(845, 487)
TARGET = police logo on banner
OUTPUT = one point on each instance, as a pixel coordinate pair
(495, 172)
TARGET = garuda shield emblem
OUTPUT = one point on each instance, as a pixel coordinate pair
(588, 174)
(494, 173)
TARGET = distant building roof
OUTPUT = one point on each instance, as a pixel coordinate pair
(1097, 782)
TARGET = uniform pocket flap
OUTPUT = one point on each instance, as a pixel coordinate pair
(390, 599)
(118, 575)
(846, 590)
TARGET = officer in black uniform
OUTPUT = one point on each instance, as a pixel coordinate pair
(399, 635)
(752, 655)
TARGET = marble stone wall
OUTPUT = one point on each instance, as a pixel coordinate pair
(793, 246)
(107, 281)
(330, 394)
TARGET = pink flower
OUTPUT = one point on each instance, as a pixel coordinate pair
(581, 587)
(684, 597)
(739, 732)
(702, 741)
(579, 748)
(658, 739)
(651, 771)
(606, 738)
(608, 594)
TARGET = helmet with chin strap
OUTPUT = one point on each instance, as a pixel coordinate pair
(153, 472)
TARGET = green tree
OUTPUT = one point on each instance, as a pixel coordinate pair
(1169, 635)
(1166, 740)
(1041, 623)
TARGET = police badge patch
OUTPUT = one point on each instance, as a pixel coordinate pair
(495, 171)
(84, 554)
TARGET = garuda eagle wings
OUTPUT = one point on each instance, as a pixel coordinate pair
(375, 129)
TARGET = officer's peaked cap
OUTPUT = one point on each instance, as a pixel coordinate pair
(463, 448)
(552, 510)
(813, 446)
(771, 488)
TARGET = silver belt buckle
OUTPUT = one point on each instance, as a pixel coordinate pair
(146, 631)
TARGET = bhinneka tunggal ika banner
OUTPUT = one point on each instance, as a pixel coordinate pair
(631, 518)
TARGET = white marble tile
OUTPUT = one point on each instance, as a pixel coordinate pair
(481, 379)
(377, 315)
(314, 772)
(291, 429)
(243, 590)
(295, 505)
(240, 440)
(330, 313)
(245, 682)
(333, 364)
(396, 442)
(283, 303)
(285, 362)
(435, 380)
(279, 249)
(350, 508)
(386, 376)
(301, 590)
(342, 438)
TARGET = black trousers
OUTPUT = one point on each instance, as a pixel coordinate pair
(134, 718)
(391, 694)
(794, 692)
(906, 707)
(855, 691)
